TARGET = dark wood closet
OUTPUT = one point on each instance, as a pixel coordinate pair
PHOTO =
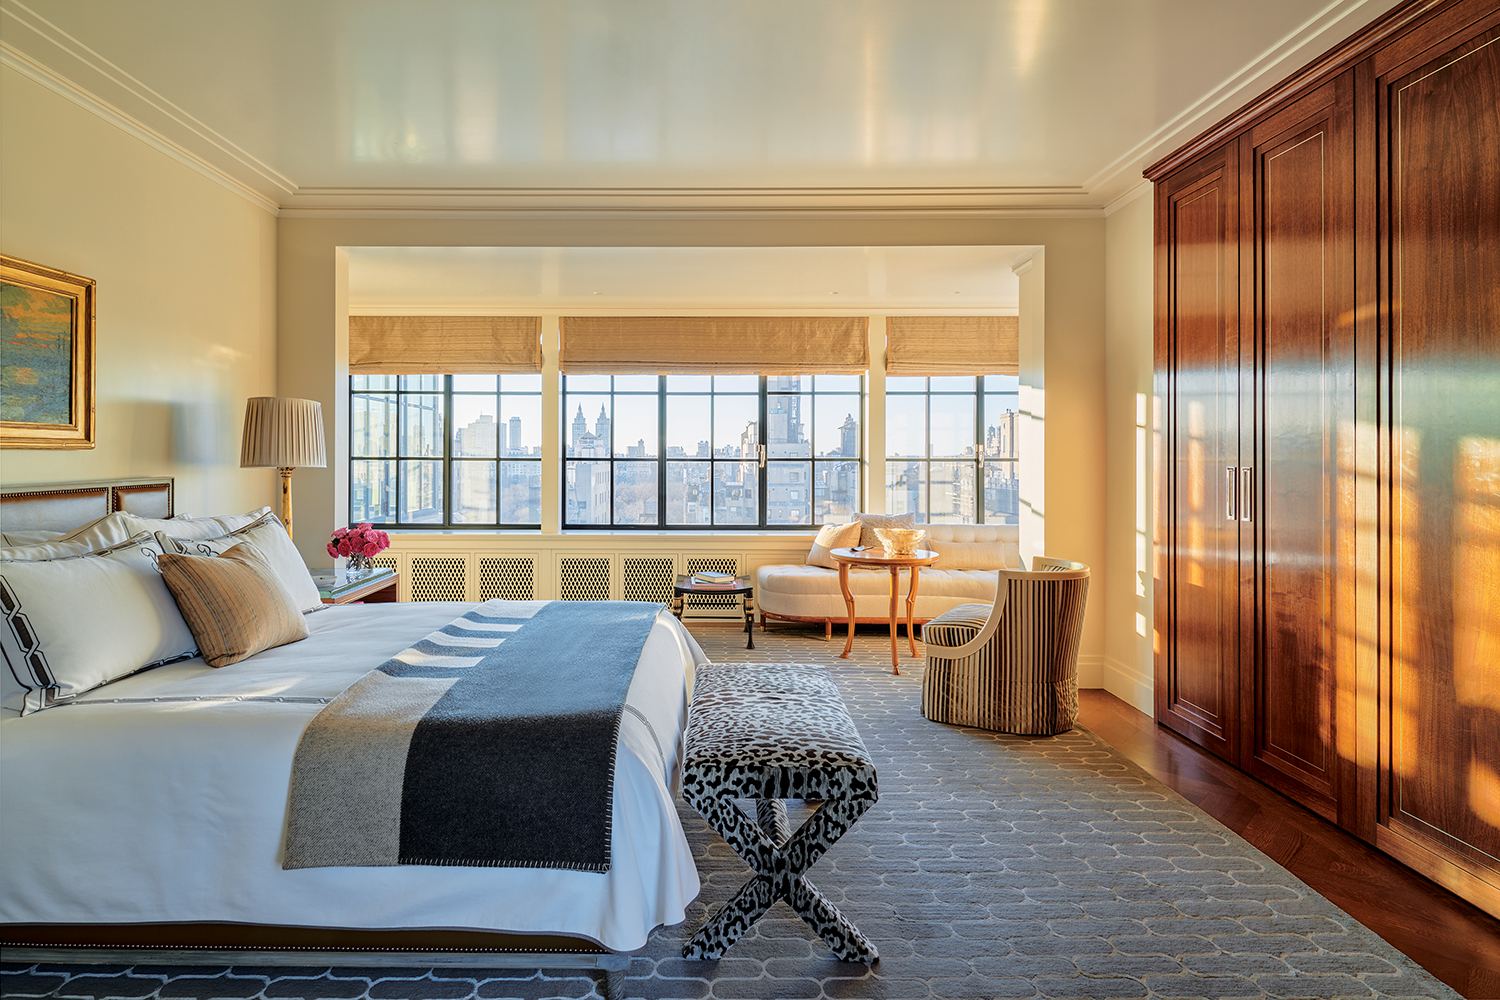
(1328, 372)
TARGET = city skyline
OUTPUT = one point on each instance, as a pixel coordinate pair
(605, 483)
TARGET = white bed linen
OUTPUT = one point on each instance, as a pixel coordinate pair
(129, 812)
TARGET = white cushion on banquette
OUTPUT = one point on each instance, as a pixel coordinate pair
(966, 572)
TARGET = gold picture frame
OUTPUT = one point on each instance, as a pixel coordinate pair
(46, 357)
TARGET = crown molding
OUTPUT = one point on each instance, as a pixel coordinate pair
(964, 201)
(1136, 190)
(1329, 64)
(768, 213)
(1313, 34)
(538, 305)
(108, 84)
(10, 58)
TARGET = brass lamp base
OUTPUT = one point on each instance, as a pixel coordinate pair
(286, 499)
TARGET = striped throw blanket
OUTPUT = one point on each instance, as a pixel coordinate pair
(491, 742)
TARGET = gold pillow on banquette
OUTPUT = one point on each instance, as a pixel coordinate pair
(233, 603)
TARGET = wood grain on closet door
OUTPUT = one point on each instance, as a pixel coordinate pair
(1198, 372)
(1298, 293)
(1439, 117)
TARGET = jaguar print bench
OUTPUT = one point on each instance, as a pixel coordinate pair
(770, 732)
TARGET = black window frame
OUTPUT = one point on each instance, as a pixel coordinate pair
(447, 461)
(662, 459)
(980, 460)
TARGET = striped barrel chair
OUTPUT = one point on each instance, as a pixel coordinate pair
(1012, 667)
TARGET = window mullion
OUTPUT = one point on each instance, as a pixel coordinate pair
(979, 449)
(447, 464)
(661, 451)
(762, 474)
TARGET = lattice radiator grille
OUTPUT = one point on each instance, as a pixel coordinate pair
(722, 565)
(512, 578)
(648, 578)
(435, 578)
(392, 561)
(583, 578)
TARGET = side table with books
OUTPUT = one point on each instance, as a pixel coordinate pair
(709, 583)
(376, 586)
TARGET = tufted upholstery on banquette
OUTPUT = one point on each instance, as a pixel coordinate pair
(970, 555)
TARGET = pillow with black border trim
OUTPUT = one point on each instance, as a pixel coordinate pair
(76, 623)
(111, 529)
(271, 539)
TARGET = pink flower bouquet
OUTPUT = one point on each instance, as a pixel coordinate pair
(358, 543)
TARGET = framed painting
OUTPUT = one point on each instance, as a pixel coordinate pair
(46, 357)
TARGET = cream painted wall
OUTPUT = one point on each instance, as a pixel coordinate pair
(311, 361)
(1128, 452)
(186, 276)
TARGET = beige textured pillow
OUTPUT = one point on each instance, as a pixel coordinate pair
(233, 603)
(832, 536)
(869, 522)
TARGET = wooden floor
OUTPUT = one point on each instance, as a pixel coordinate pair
(1452, 939)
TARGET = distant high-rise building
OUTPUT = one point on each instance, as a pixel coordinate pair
(849, 436)
(515, 435)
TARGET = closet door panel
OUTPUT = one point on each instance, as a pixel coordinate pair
(1301, 203)
(1197, 690)
(1440, 741)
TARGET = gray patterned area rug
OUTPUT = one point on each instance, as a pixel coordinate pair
(993, 866)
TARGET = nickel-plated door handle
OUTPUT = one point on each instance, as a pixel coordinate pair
(1229, 501)
(1247, 494)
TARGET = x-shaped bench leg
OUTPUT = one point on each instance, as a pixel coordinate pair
(780, 858)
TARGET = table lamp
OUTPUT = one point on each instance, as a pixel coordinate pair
(284, 434)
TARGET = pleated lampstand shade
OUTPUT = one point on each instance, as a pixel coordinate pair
(285, 434)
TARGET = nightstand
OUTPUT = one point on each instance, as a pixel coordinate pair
(381, 590)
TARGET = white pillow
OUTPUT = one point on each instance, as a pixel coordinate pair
(832, 536)
(56, 549)
(112, 529)
(14, 538)
(100, 533)
(267, 535)
(184, 526)
(73, 624)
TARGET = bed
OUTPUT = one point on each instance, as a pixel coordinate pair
(150, 813)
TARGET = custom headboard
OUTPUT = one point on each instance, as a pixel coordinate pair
(62, 506)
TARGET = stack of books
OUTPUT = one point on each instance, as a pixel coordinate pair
(713, 578)
(332, 583)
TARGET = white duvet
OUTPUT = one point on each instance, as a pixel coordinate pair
(123, 809)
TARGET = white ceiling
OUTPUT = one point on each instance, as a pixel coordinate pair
(726, 104)
(683, 279)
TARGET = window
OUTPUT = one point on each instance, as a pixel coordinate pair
(681, 451)
(406, 467)
(944, 435)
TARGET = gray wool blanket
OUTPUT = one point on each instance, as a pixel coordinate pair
(491, 742)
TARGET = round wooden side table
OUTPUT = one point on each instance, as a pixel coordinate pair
(877, 557)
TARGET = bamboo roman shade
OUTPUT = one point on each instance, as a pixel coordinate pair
(443, 345)
(952, 345)
(705, 345)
